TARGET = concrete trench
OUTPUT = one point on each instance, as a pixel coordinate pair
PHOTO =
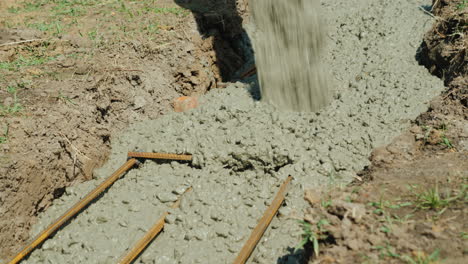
(243, 149)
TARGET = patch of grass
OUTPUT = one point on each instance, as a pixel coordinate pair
(65, 9)
(422, 258)
(462, 5)
(14, 10)
(65, 98)
(35, 5)
(313, 234)
(55, 28)
(418, 257)
(152, 28)
(382, 205)
(403, 219)
(464, 235)
(387, 251)
(166, 10)
(15, 107)
(432, 199)
(21, 62)
(92, 35)
(4, 137)
(446, 142)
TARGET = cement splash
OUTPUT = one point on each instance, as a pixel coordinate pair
(290, 38)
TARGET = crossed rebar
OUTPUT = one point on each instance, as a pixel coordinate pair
(133, 253)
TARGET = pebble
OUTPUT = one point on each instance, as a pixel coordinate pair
(167, 197)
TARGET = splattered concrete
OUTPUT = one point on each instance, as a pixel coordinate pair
(243, 149)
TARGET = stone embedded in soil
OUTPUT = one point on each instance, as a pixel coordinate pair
(243, 149)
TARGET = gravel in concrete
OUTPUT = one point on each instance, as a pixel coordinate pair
(243, 149)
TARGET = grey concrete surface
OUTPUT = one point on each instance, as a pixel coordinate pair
(243, 149)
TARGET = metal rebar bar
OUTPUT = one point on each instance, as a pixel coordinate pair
(149, 236)
(164, 156)
(262, 225)
(72, 211)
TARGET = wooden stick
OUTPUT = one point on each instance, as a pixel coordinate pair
(263, 224)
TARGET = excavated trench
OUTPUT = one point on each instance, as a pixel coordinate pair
(243, 149)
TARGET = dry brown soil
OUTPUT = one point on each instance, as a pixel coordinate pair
(75, 73)
(411, 204)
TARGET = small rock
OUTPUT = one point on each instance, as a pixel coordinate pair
(221, 229)
(180, 190)
(101, 220)
(354, 244)
(139, 102)
(167, 197)
(170, 219)
(185, 103)
(374, 239)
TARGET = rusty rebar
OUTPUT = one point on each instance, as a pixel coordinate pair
(249, 72)
(162, 156)
(149, 236)
(72, 211)
(262, 225)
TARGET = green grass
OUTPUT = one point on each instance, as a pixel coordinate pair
(55, 28)
(313, 234)
(65, 98)
(422, 258)
(446, 142)
(16, 106)
(21, 62)
(432, 198)
(382, 205)
(462, 5)
(4, 136)
(464, 235)
(419, 257)
(387, 251)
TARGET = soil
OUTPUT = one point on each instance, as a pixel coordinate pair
(72, 75)
(410, 204)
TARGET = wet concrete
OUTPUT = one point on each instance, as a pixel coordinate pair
(244, 148)
(288, 43)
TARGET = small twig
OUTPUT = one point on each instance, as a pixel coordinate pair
(77, 151)
(20, 42)
(186, 36)
(436, 3)
(430, 14)
(163, 45)
(358, 178)
(121, 69)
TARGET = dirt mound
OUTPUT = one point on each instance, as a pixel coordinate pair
(444, 48)
(405, 214)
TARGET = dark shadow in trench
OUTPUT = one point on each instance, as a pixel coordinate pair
(221, 21)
